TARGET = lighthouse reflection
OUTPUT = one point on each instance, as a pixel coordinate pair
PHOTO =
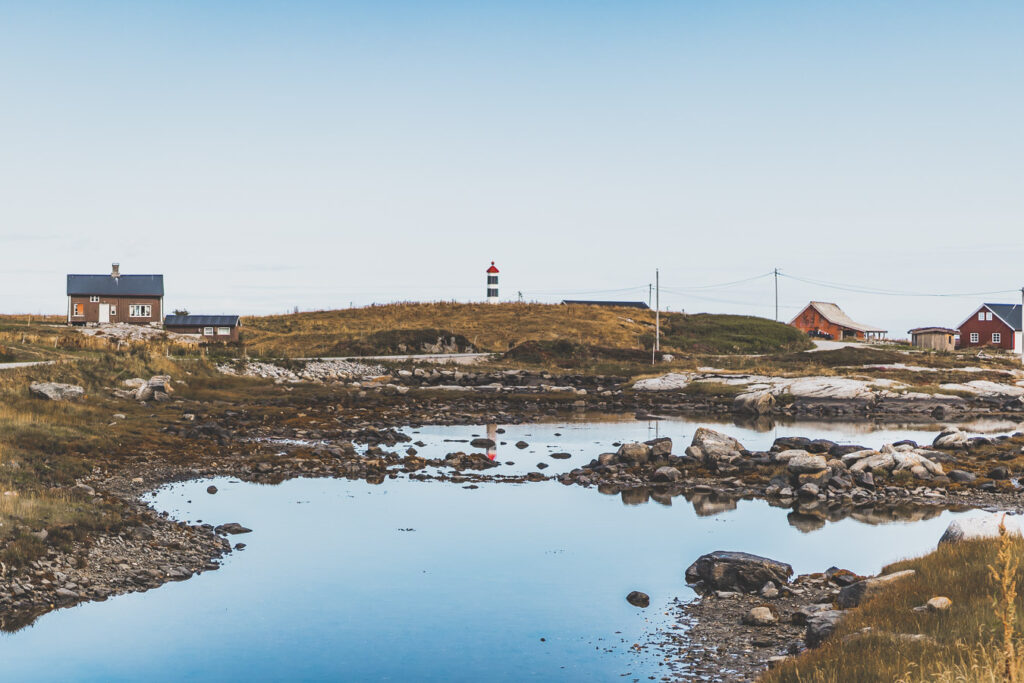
(492, 434)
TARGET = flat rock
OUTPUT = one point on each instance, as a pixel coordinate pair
(986, 526)
(55, 391)
(638, 599)
(856, 593)
(732, 571)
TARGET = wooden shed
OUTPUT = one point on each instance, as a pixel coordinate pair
(212, 328)
(934, 338)
(827, 320)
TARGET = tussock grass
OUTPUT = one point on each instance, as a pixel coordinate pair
(964, 642)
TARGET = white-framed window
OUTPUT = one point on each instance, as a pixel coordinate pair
(988, 315)
(996, 338)
(208, 331)
(974, 337)
(79, 310)
(981, 315)
(140, 310)
(224, 331)
(94, 299)
(113, 310)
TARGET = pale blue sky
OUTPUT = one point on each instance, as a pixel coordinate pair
(270, 155)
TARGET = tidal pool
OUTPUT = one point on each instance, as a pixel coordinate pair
(426, 581)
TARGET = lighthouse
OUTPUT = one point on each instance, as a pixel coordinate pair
(492, 284)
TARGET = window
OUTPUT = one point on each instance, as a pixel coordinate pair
(79, 310)
(208, 331)
(974, 337)
(140, 310)
(988, 315)
(981, 315)
(492, 279)
(996, 338)
(113, 310)
(94, 299)
(224, 330)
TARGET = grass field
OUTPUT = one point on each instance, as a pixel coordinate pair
(416, 328)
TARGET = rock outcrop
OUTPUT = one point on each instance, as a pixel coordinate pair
(735, 571)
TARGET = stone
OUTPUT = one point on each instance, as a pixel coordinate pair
(884, 461)
(714, 446)
(961, 476)
(634, 452)
(807, 464)
(820, 626)
(856, 593)
(732, 571)
(232, 528)
(950, 438)
(660, 447)
(667, 474)
(939, 604)
(55, 391)
(850, 458)
(760, 616)
(754, 403)
(979, 527)
(561, 456)
(638, 599)
(808, 491)
(1000, 472)
(211, 489)
(521, 445)
(769, 591)
(482, 443)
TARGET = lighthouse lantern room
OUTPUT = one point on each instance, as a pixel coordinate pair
(492, 284)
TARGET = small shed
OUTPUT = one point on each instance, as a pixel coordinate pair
(827, 320)
(934, 338)
(220, 328)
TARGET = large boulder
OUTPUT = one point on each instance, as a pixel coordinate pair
(820, 626)
(807, 464)
(158, 387)
(636, 453)
(55, 391)
(950, 438)
(734, 571)
(660, 447)
(713, 447)
(854, 594)
(754, 403)
(908, 461)
(979, 527)
(884, 461)
(667, 474)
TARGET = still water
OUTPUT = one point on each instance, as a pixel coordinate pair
(426, 581)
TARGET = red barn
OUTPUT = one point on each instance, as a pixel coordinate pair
(996, 326)
(822, 319)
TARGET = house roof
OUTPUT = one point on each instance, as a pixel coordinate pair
(107, 285)
(1008, 313)
(201, 320)
(926, 330)
(832, 313)
(624, 304)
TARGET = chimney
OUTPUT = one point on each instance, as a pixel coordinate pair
(115, 270)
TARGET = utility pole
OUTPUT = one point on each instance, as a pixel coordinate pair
(650, 289)
(1022, 331)
(777, 295)
(657, 309)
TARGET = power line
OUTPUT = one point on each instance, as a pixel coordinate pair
(885, 292)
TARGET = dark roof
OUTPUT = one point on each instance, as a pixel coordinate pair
(106, 285)
(624, 304)
(201, 320)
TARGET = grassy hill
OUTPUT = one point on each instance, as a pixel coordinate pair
(449, 327)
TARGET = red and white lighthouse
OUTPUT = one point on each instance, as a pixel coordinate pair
(492, 284)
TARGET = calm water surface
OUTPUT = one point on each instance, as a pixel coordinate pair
(426, 581)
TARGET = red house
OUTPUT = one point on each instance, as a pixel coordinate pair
(822, 319)
(996, 326)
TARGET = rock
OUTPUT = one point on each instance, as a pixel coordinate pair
(760, 616)
(807, 464)
(714, 446)
(561, 456)
(1000, 472)
(660, 447)
(667, 474)
(808, 491)
(849, 459)
(769, 591)
(904, 461)
(724, 570)
(885, 461)
(482, 443)
(854, 594)
(979, 527)
(634, 452)
(232, 528)
(950, 438)
(211, 489)
(960, 476)
(54, 391)
(638, 599)
(820, 626)
(939, 604)
(754, 403)
(521, 445)
(86, 489)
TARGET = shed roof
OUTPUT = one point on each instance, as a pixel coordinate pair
(832, 313)
(625, 304)
(201, 320)
(107, 285)
(933, 330)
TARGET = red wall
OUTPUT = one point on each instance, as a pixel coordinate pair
(985, 330)
(810, 320)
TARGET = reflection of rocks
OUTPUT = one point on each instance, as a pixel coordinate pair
(709, 504)
(806, 521)
(635, 496)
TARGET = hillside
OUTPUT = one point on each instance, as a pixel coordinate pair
(451, 327)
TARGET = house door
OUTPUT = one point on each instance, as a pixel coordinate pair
(104, 313)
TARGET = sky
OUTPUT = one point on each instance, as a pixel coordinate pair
(271, 155)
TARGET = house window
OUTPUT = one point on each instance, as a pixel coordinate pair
(140, 310)
(113, 310)
(974, 337)
(996, 338)
(224, 331)
(79, 310)
(208, 331)
(981, 315)
(94, 299)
